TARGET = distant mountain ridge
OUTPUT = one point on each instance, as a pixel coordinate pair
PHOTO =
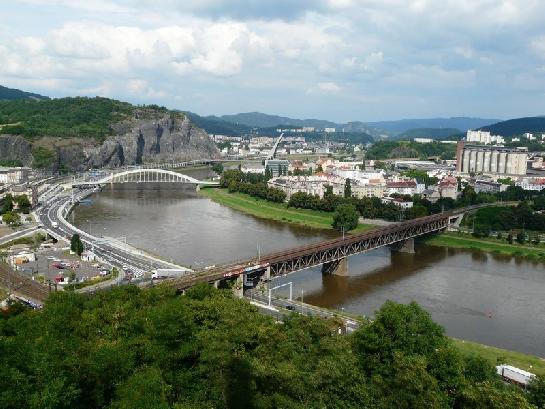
(261, 120)
(431, 133)
(517, 126)
(13, 94)
(461, 123)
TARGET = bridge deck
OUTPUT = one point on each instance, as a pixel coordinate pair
(310, 255)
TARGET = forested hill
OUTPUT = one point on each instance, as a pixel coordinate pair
(64, 117)
(12, 94)
(79, 133)
(135, 348)
(518, 126)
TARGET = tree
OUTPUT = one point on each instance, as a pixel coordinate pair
(318, 169)
(345, 218)
(347, 188)
(268, 173)
(23, 204)
(536, 239)
(11, 218)
(8, 203)
(536, 391)
(218, 168)
(76, 245)
(521, 237)
(510, 238)
(499, 236)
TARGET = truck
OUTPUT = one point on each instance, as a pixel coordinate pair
(167, 273)
(55, 224)
(515, 375)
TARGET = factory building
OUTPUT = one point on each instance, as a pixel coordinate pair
(490, 159)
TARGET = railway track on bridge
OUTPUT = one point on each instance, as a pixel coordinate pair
(317, 253)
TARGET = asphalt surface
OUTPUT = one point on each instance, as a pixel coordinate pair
(52, 209)
(286, 306)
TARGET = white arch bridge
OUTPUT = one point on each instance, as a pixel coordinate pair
(144, 176)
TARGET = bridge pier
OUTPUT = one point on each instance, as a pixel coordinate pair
(337, 267)
(238, 288)
(403, 246)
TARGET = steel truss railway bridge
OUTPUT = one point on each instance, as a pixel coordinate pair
(331, 254)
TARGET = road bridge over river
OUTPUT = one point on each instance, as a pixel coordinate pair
(143, 175)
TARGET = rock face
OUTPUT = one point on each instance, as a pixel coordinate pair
(168, 138)
(15, 147)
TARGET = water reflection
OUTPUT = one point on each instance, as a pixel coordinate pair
(490, 298)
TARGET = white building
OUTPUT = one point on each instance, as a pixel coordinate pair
(13, 175)
(329, 130)
(423, 140)
(483, 137)
(536, 184)
(403, 204)
(402, 187)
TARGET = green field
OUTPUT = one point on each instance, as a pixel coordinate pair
(497, 356)
(454, 240)
(274, 211)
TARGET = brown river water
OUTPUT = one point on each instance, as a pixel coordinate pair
(488, 298)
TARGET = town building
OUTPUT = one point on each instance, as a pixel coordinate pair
(483, 137)
(372, 189)
(536, 184)
(25, 189)
(488, 186)
(495, 160)
(13, 175)
(448, 187)
(403, 204)
(401, 187)
(275, 165)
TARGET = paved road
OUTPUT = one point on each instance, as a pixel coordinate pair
(51, 215)
(18, 234)
(285, 306)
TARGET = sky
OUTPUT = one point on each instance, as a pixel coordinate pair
(340, 60)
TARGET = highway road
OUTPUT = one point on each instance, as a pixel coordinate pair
(51, 213)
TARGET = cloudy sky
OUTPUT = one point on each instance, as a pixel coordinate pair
(332, 59)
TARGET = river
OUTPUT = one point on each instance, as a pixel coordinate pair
(488, 298)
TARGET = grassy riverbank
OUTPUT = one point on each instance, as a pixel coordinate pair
(465, 241)
(274, 211)
(494, 355)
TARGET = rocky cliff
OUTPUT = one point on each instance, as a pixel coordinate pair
(169, 137)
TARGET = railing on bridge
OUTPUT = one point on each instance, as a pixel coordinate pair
(144, 175)
(336, 249)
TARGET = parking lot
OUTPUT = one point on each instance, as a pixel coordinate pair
(58, 262)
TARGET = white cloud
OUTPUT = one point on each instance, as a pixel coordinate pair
(220, 54)
(324, 88)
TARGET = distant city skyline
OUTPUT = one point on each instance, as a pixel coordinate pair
(339, 60)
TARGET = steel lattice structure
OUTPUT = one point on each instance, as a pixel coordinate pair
(333, 250)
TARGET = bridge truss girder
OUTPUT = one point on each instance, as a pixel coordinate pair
(327, 255)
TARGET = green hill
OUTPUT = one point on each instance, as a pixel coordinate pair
(214, 125)
(64, 117)
(433, 133)
(13, 94)
(517, 126)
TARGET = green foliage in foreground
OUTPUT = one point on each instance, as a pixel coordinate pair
(133, 348)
